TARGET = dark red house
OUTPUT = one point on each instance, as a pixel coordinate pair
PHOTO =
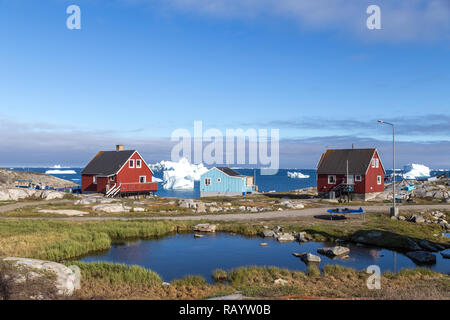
(120, 172)
(361, 169)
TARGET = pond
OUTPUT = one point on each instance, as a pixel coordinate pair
(176, 256)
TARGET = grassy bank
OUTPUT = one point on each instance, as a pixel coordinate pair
(108, 281)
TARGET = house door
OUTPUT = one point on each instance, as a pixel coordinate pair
(350, 179)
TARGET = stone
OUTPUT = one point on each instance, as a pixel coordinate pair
(205, 227)
(51, 195)
(422, 257)
(196, 235)
(65, 282)
(242, 208)
(201, 208)
(310, 258)
(417, 219)
(277, 229)
(111, 208)
(280, 282)
(64, 212)
(213, 209)
(401, 218)
(236, 296)
(268, 233)
(302, 237)
(138, 209)
(187, 203)
(263, 244)
(334, 251)
(285, 237)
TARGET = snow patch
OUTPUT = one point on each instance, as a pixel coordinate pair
(297, 175)
(179, 175)
(414, 171)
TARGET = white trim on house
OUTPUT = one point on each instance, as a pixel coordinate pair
(140, 163)
(131, 163)
(358, 178)
(145, 179)
(94, 179)
(334, 177)
(207, 181)
(379, 180)
(135, 151)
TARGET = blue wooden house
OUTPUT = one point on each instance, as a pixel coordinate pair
(223, 181)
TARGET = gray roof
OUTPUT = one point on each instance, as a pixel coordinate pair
(106, 163)
(229, 172)
(335, 161)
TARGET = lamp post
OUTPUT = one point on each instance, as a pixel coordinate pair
(394, 209)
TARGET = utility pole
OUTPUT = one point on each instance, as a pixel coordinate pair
(394, 209)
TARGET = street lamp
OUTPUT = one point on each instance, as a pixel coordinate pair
(394, 209)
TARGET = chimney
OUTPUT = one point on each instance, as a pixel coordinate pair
(119, 147)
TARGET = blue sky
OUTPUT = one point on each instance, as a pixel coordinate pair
(139, 69)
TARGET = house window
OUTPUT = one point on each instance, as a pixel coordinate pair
(219, 180)
(131, 164)
(379, 180)
(331, 179)
(138, 163)
(94, 179)
(142, 179)
(207, 181)
(358, 178)
(377, 162)
(373, 163)
(111, 178)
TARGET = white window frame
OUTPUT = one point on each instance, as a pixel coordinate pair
(111, 178)
(145, 179)
(358, 178)
(373, 163)
(140, 163)
(94, 180)
(207, 181)
(379, 180)
(329, 176)
(377, 163)
(131, 163)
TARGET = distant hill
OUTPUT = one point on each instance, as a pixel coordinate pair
(8, 178)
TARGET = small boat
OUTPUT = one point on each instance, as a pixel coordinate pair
(346, 210)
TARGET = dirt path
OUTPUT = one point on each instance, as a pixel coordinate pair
(269, 215)
(18, 205)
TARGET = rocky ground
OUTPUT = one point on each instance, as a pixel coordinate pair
(8, 179)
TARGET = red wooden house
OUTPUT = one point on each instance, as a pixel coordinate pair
(361, 169)
(120, 172)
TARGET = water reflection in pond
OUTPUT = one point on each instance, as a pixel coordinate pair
(178, 255)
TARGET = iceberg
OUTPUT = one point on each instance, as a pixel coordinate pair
(155, 179)
(415, 171)
(179, 175)
(60, 172)
(297, 175)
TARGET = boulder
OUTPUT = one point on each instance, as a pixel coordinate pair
(310, 258)
(64, 212)
(52, 194)
(214, 209)
(65, 282)
(268, 233)
(187, 203)
(280, 282)
(201, 208)
(422, 257)
(205, 227)
(302, 237)
(138, 209)
(334, 251)
(417, 219)
(285, 237)
(111, 208)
